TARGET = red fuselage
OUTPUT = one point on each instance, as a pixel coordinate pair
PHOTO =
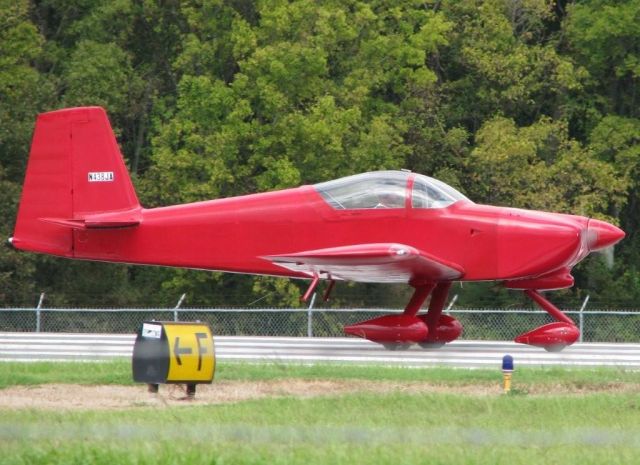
(233, 234)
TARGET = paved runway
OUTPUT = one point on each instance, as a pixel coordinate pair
(471, 354)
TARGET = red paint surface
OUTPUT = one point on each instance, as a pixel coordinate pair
(555, 335)
(292, 232)
(391, 328)
(446, 329)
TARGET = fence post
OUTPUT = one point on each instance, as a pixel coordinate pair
(175, 309)
(581, 316)
(38, 312)
(453, 301)
(310, 316)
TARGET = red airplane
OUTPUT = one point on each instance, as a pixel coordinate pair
(380, 227)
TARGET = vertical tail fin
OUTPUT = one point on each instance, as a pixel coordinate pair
(76, 179)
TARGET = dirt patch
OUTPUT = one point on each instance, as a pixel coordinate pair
(104, 397)
(583, 388)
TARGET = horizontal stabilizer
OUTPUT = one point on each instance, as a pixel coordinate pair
(380, 262)
(100, 221)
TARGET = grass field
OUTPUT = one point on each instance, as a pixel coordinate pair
(554, 416)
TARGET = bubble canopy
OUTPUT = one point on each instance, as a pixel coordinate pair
(388, 189)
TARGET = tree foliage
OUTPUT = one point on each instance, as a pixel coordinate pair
(527, 103)
(540, 167)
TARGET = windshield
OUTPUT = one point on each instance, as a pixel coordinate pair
(431, 193)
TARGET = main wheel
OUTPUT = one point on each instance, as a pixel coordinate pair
(555, 347)
(431, 345)
(396, 345)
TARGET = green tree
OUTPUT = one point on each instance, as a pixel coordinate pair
(23, 93)
(540, 167)
(502, 60)
(616, 140)
(524, 103)
(603, 37)
(100, 74)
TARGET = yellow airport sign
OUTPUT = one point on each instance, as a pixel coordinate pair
(190, 352)
(173, 352)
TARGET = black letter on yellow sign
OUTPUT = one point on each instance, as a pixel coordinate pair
(201, 350)
(178, 351)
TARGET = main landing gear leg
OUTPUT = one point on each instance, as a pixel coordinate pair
(417, 299)
(436, 305)
(552, 337)
(442, 328)
(420, 294)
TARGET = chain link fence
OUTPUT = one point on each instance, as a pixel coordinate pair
(487, 324)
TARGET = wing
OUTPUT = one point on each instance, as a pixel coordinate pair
(370, 263)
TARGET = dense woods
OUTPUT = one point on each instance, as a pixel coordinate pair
(526, 103)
